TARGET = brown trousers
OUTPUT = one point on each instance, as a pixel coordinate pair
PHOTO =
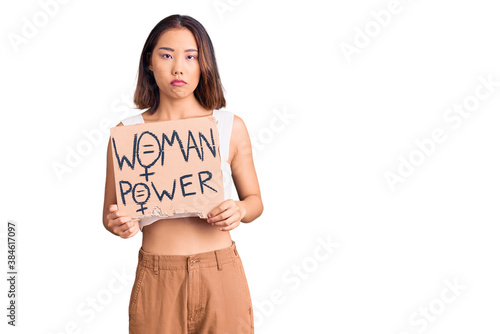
(185, 294)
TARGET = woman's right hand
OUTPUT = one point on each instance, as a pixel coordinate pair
(120, 224)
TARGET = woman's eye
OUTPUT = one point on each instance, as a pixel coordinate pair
(194, 57)
(166, 55)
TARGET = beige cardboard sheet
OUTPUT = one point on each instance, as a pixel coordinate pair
(167, 167)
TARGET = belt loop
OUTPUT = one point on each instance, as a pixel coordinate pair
(156, 260)
(235, 251)
(219, 265)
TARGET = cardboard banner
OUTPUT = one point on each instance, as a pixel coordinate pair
(168, 167)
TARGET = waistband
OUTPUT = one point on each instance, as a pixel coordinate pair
(215, 258)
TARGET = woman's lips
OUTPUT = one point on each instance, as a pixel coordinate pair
(177, 83)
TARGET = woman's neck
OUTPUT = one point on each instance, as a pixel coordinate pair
(173, 109)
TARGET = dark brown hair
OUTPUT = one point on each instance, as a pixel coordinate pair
(209, 91)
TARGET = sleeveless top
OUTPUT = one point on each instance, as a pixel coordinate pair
(224, 120)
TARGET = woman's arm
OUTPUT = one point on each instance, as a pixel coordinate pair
(113, 221)
(244, 174)
(230, 213)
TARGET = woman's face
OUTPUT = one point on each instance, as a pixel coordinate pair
(176, 57)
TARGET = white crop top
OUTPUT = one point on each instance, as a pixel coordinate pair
(224, 120)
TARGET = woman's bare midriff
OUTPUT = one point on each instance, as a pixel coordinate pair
(183, 236)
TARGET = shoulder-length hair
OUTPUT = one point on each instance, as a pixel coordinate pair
(209, 90)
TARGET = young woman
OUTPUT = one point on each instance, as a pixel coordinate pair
(190, 278)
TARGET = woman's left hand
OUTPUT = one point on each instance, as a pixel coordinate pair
(227, 215)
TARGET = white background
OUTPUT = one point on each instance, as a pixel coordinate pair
(322, 170)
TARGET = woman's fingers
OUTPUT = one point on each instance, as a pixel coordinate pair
(231, 225)
(115, 217)
(219, 218)
(120, 224)
(129, 229)
(113, 208)
(227, 217)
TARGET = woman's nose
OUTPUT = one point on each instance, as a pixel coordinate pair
(177, 67)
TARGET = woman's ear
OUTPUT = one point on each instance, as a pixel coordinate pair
(148, 58)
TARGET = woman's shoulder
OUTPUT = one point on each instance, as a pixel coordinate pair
(134, 119)
(238, 128)
(238, 123)
(131, 120)
(218, 113)
(234, 120)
